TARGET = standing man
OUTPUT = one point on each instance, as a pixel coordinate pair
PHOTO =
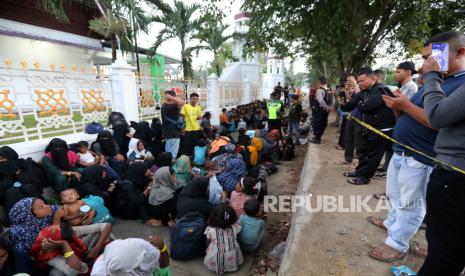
(295, 115)
(275, 108)
(404, 76)
(320, 110)
(374, 112)
(445, 196)
(409, 173)
(278, 89)
(192, 113)
(170, 117)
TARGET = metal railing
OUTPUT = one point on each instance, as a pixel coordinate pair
(230, 93)
(37, 102)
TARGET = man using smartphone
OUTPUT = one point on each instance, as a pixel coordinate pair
(409, 173)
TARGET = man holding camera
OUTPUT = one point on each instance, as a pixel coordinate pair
(370, 103)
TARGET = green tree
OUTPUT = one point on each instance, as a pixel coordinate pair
(345, 32)
(211, 33)
(179, 22)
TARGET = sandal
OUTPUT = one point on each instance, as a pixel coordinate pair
(377, 222)
(358, 181)
(338, 147)
(419, 250)
(382, 253)
(350, 174)
(380, 196)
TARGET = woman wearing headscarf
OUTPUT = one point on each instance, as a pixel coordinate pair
(60, 164)
(157, 139)
(28, 217)
(194, 198)
(122, 136)
(271, 145)
(182, 169)
(233, 173)
(95, 181)
(163, 159)
(254, 149)
(133, 257)
(140, 177)
(17, 180)
(163, 196)
(105, 145)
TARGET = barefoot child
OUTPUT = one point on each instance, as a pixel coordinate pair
(252, 227)
(245, 190)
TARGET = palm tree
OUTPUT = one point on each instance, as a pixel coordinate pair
(179, 23)
(211, 33)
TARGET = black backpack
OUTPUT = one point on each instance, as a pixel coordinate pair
(188, 238)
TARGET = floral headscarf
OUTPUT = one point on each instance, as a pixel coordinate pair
(25, 226)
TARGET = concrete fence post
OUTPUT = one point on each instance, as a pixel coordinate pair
(213, 99)
(246, 97)
(124, 90)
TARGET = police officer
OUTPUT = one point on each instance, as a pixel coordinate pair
(275, 108)
(320, 110)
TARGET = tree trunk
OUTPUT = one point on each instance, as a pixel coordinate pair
(340, 65)
(113, 48)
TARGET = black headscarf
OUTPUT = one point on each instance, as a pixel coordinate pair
(164, 159)
(59, 150)
(106, 142)
(93, 175)
(120, 132)
(143, 132)
(197, 187)
(11, 166)
(157, 128)
(136, 174)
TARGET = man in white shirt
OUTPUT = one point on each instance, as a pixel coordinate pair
(404, 76)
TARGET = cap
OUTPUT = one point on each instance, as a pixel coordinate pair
(407, 65)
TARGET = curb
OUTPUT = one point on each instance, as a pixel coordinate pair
(301, 217)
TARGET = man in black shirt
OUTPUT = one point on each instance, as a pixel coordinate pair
(170, 114)
(374, 112)
(295, 115)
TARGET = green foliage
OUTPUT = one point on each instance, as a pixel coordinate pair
(345, 34)
(179, 22)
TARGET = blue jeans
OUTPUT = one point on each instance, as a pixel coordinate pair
(172, 146)
(406, 188)
(293, 131)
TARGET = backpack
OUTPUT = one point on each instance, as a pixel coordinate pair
(179, 123)
(187, 237)
(93, 128)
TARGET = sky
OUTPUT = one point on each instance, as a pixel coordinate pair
(172, 47)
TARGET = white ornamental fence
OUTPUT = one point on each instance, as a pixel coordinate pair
(39, 102)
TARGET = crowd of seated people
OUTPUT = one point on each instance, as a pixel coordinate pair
(216, 189)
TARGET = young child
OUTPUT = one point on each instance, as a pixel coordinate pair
(252, 227)
(223, 253)
(200, 152)
(245, 190)
(95, 212)
(137, 152)
(86, 157)
(287, 149)
(243, 139)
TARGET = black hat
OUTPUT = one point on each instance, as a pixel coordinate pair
(408, 65)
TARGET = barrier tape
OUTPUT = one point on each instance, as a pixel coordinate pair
(384, 135)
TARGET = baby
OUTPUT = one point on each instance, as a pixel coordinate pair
(72, 208)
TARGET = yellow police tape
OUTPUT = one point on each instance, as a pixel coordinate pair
(384, 135)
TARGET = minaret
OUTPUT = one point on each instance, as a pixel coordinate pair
(241, 27)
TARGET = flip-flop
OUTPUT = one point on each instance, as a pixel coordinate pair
(358, 181)
(343, 163)
(388, 257)
(377, 222)
(380, 196)
(349, 174)
(419, 250)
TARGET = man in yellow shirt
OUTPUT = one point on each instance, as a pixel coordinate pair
(192, 113)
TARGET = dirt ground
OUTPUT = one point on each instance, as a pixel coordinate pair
(284, 181)
(338, 243)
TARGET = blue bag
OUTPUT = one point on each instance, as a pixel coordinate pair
(187, 238)
(102, 214)
(93, 128)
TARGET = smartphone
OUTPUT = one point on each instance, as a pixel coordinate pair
(342, 95)
(440, 51)
(387, 91)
